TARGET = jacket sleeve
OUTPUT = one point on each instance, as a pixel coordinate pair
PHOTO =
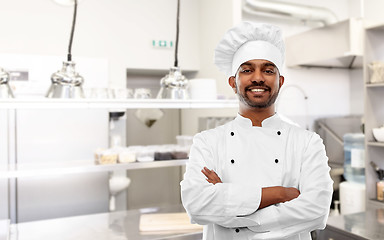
(310, 210)
(222, 203)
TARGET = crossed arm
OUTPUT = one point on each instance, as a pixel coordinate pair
(269, 195)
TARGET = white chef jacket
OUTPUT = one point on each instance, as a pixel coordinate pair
(248, 158)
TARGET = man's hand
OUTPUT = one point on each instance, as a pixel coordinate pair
(211, 176)
(278, 194)
(290, 193)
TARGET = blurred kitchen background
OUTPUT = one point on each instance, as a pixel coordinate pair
(124, 46)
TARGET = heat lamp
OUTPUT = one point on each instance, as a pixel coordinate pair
(67, 83)
(5, 90)
(174, 85)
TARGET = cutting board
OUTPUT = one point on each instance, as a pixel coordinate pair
(163, 223)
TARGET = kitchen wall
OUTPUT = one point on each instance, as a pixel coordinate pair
(120, 31)
(211, 29)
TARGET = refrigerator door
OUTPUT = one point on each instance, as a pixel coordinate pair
(64, 135)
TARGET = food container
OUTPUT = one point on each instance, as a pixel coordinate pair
(377, 72)
(127, 155)
(181, 152)
(106, 156)
(145, 154)
(163, 152)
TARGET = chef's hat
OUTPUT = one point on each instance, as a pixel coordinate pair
(248, 41)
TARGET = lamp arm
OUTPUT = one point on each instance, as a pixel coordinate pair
(69, 56)
(177, 33)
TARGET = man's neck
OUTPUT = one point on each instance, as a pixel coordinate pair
(257, 115)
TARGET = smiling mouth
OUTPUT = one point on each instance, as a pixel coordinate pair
(257, 90)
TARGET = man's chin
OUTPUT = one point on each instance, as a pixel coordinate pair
(254, 104)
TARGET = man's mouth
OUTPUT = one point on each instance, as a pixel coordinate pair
(257, 90)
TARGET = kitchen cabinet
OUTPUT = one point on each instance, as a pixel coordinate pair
(374, 111)
(12, 171)
(344, 49)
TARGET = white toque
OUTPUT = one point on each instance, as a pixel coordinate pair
(247, 41)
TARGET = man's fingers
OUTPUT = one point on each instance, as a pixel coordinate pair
(211, 176)
(208, 173)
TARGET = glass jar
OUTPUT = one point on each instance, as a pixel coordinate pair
(380, 190)
(354, 157)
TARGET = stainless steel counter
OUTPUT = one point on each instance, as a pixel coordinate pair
(123, 225)
(364, 225)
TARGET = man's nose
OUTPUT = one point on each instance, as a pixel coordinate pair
(257, 77)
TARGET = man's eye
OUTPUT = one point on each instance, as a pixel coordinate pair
(246, 70)
(269, 71)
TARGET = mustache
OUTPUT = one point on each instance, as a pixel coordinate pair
(258, 84)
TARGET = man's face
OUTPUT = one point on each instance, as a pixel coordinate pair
(257, 83)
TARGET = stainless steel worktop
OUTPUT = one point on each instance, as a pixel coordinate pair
(122, 225)
(364, 225)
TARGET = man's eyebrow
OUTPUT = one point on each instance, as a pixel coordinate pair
(269, 64)
(246, 64)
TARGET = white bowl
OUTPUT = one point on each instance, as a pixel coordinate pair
(378, 133)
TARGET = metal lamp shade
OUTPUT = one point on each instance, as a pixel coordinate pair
(5, 90)
(66, 83)
(174, 85)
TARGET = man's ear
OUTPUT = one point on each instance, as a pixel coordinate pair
(281, 81)
(232, 83)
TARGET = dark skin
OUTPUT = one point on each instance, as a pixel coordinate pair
(257, 82)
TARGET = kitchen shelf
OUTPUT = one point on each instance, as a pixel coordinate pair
(374, 204)
(43, 103)
(70, 167)
(373, 85)
(376, 144)
(373, 25)
(373, 112)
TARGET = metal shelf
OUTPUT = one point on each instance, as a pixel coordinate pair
(374, 85)
(375, 204)
(70, 167)
(43, 103)
(376, 144)
(374, 25)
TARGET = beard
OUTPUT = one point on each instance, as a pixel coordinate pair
(243, 97)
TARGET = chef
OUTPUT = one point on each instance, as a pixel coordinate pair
(258, 176)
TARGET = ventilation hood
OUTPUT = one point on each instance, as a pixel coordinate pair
(338, 45)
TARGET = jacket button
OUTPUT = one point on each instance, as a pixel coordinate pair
(276, 160)
(232, 133)
(237, 230)
(278, 133)
(232, 161)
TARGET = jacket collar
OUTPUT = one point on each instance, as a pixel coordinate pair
(272, 122)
